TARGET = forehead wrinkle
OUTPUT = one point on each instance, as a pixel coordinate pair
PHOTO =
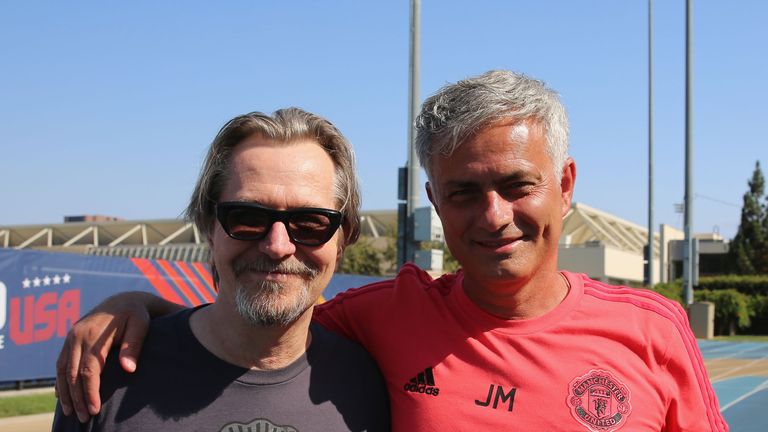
(296, 205)
(506, 167)
(516, 175)
(286, 181)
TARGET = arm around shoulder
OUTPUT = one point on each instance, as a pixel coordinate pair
(123, 320)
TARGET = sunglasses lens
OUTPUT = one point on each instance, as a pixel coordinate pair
(310, 228)
(307, 226)
(247, 223)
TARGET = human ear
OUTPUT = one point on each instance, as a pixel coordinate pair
(567, 183)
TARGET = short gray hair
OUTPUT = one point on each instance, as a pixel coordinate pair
(457, 111)
(286, 126)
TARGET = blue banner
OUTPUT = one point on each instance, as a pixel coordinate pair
(43, 293)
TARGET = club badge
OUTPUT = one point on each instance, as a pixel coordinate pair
(599, 401)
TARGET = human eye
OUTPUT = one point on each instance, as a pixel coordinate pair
(517, 188)
(310, 221)
(462, 194)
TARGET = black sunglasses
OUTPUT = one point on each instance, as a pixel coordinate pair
(248, 221)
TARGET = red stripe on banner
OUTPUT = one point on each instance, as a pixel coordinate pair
(179, 281)
(193, 279)
(205, 274)
(157, 281)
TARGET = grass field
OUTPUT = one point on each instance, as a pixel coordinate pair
(27, 404)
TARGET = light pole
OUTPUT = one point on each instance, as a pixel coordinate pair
(409, 180)
(689, 259)
(649, 248)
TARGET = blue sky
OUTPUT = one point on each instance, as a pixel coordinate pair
(108, 107)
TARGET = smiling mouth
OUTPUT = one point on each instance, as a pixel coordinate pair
(284, 270)
(274, 275)
(500, 245)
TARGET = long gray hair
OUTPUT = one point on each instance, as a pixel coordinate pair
(285, 126)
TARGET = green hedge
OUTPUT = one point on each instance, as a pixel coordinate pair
(672, 290)
(732, 309)
(747, 284)
(741, 302)
(759, 307)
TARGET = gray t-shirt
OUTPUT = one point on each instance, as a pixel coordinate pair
(181, 386)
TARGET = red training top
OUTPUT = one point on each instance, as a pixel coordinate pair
(607, 358)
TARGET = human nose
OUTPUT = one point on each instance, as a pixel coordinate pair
(277, 244)
(496, 212)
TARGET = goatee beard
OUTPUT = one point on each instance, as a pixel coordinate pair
(268, 303)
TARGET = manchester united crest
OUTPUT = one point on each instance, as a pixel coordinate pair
(599, 401)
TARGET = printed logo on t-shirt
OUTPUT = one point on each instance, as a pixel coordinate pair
(599, 401)
(256, 426)
(501, 398)
(423, 382)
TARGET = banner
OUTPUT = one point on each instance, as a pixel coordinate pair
(43, 293)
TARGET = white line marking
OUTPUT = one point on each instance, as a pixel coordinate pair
(731, 371)
(762, 386)
(734, 354)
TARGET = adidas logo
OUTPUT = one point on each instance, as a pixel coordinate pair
(424, 382)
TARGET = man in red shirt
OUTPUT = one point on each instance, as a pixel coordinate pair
(508, 342)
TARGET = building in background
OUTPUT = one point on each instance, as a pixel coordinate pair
(597, 243)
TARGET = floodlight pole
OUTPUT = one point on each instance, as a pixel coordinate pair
(688, 267)
(414, 185)
(409, 182)
(649, 249)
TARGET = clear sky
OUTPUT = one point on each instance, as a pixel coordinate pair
(108, 107)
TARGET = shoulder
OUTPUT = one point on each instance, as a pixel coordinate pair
(331, 349)
(166, 339)
(646, 313)
(168, 334)
(640, 300)
(335, 356)
(410, 281)
(365, 314)
(173, 321)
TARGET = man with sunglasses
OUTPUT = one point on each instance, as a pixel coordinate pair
(278, 200)
(509, 342)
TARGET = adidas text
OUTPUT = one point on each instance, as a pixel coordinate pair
(421, 388)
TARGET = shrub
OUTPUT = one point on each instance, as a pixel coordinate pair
(732, 309)
(366, 259)
(747, 284)
(671, 290)
(758, 306)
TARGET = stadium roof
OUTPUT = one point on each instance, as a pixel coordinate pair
(584, 224)
(82, 235)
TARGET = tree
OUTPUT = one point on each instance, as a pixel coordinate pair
(365, 258)
(749, 248)
(450, 264)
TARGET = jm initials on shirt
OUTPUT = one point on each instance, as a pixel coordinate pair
(499, 395)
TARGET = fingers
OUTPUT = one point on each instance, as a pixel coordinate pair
(130, 334)
(98, 338)
(133, 338)
(66, 356)
(79, 365)
(90, 378)
(124, 318)
(74, 385)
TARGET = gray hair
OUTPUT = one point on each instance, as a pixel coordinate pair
(457, 111)
(286, 126)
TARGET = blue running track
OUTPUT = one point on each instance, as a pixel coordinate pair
(739, 375)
